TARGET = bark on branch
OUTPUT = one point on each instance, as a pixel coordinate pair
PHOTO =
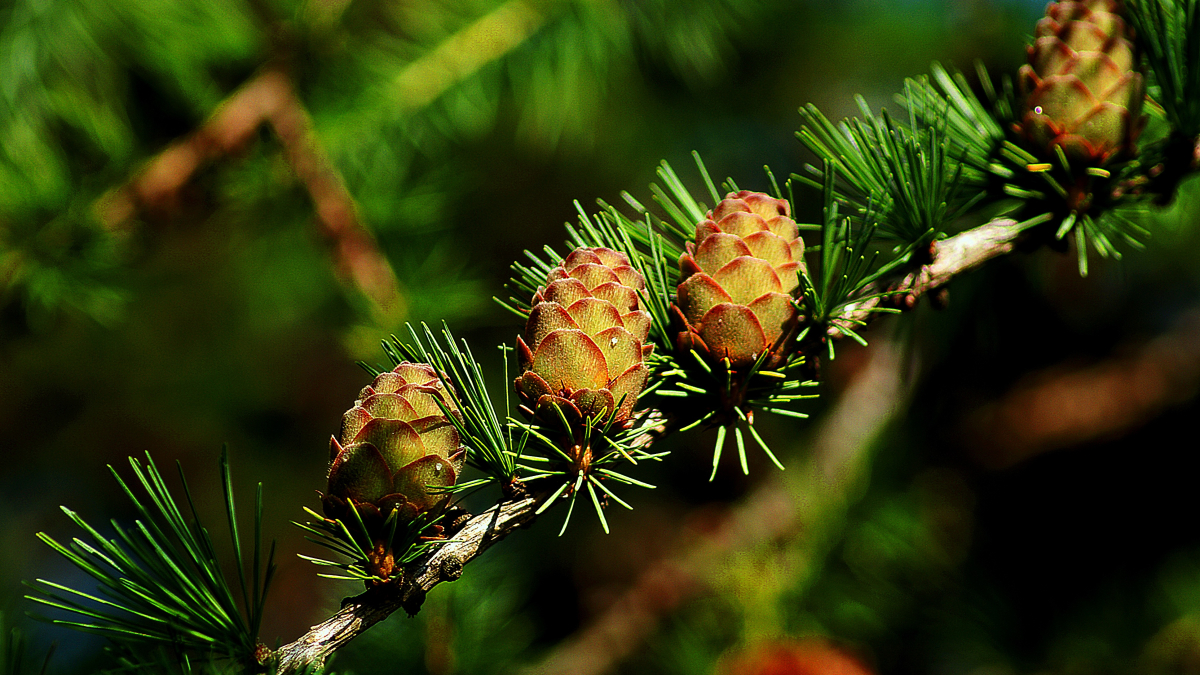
(444, 564)
(950, 257)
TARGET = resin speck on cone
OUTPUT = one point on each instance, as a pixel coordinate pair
(1083, 90)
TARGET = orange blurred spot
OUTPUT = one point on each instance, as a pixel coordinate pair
(808, 656)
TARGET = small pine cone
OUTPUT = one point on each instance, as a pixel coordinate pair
(394, 443)
(1083, 88)
(738, 278)
(585, 340)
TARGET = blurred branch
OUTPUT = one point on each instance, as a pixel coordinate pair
(1064, 406)
(445, 563)
(231, 127)
(490, 37)
(268, 98)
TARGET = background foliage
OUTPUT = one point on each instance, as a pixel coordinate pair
(1025, 505)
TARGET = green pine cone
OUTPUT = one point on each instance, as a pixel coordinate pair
(394, 443)
(585, 340)
(1083, 88)
(738, 278)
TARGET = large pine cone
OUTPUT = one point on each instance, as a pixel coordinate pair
(738, 278)
(1084, 90)
(585, 340)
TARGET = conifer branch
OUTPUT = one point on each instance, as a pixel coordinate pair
(443, 563)
(948, 258)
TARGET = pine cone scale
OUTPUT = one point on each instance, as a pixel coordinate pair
(747, 278)
(572, 359)
(544, 319)
(699, 294)
(360, 473)
(735, 331)
(620, 348)
(593, 315)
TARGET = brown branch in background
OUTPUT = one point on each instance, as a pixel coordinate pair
(445, 563)
(358, 257)
(663, 585)
(231, 127)
(268, 98)
(802, 501)
(1065, 406)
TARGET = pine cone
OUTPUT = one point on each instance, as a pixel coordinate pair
(584, 340)
(1084, 90)
(735, 299)
(394, 443)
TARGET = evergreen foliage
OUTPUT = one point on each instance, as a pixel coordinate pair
(897, 195)
(161, 582)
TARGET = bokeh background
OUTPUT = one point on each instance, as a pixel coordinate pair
(210, 210)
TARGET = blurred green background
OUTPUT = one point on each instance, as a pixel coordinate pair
(209, 211)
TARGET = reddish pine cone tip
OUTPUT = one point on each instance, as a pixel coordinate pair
(1082, 85)
(738, 279)
(396, 447)
(585, 340)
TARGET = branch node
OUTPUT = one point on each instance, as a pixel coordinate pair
(452, 568)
